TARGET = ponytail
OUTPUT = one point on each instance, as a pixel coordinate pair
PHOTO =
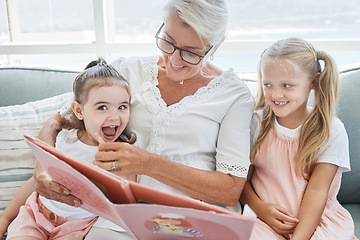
(315, 133)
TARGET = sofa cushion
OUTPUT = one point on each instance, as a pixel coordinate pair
(16, 159)
(20, 85)
(349, 113)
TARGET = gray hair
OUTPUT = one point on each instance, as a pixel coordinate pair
(208, 18)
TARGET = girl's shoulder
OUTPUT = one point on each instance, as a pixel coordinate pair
(338, 131)
(337, 124)
(337, 150)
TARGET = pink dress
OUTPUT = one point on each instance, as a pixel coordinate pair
(275, 181)
(35, 220)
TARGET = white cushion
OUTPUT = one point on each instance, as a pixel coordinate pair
(16, 159)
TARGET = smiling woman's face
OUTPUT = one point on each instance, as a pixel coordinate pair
(184, 37)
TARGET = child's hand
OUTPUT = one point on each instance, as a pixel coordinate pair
(99, 138)
(278, 218)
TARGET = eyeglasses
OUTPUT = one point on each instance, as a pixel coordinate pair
(170, 48)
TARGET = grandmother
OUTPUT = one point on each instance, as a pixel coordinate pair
(191, 118)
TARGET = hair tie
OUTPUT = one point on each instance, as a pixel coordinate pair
(102, 62)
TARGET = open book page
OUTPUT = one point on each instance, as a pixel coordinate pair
(116, 189)
(122, 202)
(155, 222)
(150, 195)
(93, 199)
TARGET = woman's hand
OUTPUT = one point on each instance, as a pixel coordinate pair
(278, 218)
(50, 130)
(124, 158)
(50, 189)
(209, 186)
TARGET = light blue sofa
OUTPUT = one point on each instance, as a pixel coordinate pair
(24, 85)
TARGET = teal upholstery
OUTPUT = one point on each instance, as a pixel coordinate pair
(348, 110)
(20, 85)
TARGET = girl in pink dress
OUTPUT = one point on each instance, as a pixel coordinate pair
(99, 113)
(299, 153)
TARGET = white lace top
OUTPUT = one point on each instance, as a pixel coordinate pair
(209, 130)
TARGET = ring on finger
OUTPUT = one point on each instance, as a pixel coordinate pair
(113, 166)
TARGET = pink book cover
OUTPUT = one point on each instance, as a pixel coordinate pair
(145, 212)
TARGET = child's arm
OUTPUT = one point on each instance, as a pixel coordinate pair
(12, 209)
(277, 217)
(314, 200)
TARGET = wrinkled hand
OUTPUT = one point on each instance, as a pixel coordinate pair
(278, 218)
(126, 158)
(50, 189)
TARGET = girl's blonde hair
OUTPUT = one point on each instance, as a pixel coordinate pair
(96, 74)
(315, 131)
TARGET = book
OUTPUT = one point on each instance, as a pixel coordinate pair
(144, 212)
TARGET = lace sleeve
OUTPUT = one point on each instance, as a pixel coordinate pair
(233, 169)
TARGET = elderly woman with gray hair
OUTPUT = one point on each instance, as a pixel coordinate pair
(191, 118)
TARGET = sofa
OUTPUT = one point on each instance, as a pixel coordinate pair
(30, 95)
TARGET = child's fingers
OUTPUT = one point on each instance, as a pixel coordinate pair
(98, 138)
(289, 219)
(286, 216)
(282, 227)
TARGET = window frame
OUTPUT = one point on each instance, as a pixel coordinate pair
(102, 47)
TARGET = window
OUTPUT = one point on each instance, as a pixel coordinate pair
(132, 23)
(4, 33)
(71, 32)
(50, 20)
(332, 25)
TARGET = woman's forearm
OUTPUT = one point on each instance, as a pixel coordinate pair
(209, 186)
(50, 130)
